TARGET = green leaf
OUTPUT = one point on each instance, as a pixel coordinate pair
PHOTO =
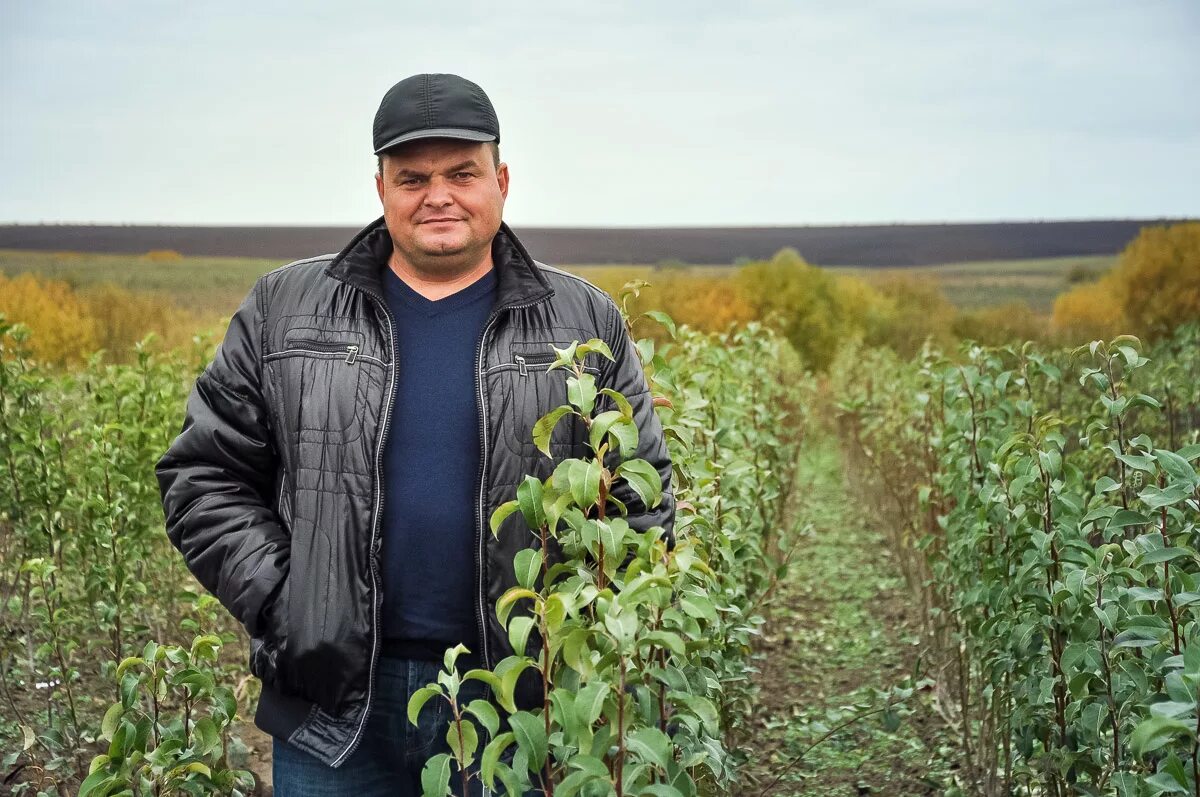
(1156, 498)
(622, 625)
(1153, 733)
(544, 428)
(664, 639)
(491, 757)
(643, 479)
(1138, 462)
(595, 345)
(564, 356)
(504, 606)
(509, 671)
(419, 699)
(530, 733)
(1166, 783)
(651, 745)
(660, 790)
(109, 724)
(1137, 638)
(486, 676)
(500, 515)
(589, 702)
(1164, 555)
(622, 429)
(530, 494)
(206, 738)
(527, 565)
(704, 709)
(698, 606)
(581, 392)
(451, 655)
(662, 318)
(435, 777)
(486, 713)
(99, 782)
(623, 405)
(1127, 517)
(577, 653)
(583, 479)
(1179, 469)
(463, 739)
(129, 690)
(131, 661)
(518, 633)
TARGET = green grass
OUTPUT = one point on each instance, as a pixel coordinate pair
(989, 283)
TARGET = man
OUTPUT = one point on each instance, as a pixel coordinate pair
(365, 414)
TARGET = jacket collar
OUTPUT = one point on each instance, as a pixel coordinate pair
(518, 279)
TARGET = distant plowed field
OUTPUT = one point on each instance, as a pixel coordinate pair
(880, 245)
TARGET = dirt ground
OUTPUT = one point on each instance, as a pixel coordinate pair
(840, 626)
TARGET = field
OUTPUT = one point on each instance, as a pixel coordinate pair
(906, 564)
(867, 245)
(1035, 282)
(216, 284)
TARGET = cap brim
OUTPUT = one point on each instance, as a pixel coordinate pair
(438, 132)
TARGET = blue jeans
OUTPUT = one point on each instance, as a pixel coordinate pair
(392, 752)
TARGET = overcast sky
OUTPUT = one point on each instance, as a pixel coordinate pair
(617, 113)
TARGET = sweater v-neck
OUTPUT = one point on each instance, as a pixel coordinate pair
(398, 289)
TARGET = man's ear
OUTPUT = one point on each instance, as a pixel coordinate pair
(502, 179)
(379, 186)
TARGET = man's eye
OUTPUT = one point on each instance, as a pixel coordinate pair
(464, 175)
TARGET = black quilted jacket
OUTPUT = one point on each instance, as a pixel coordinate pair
(272, 489)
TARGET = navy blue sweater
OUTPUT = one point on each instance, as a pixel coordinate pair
(431, 465)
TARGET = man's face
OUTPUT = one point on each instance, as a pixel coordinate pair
(442, 202)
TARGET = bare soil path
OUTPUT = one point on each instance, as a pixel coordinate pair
(841, 627)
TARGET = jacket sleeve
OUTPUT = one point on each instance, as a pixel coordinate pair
(625, 375)
(216, 477)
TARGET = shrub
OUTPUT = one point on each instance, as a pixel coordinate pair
(1153, 289)
(1158, 278)
(1088, 312)
(68, 326)
(996, 326)
(63, 330)
(915, 310)
(801, 301)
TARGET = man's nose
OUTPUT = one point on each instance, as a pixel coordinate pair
(438, 194)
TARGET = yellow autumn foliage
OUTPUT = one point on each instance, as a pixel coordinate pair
(68, 326)
(1011, 322)
(1158, 278)
(1154, 288)
(912, 310)
(803, 302)
(61, 326)
(1089, 311)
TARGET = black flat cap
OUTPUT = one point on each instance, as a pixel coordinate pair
(434, 106)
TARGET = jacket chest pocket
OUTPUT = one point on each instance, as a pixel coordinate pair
(529, 391)
(317, 376)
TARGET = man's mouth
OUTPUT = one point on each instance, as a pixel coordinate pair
(438, 221)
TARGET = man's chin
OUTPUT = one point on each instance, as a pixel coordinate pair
(443, 248)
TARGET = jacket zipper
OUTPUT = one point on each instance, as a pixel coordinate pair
(387, 421)
(523, 361)
(351, 349)
(483, 456)
(357, 738)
